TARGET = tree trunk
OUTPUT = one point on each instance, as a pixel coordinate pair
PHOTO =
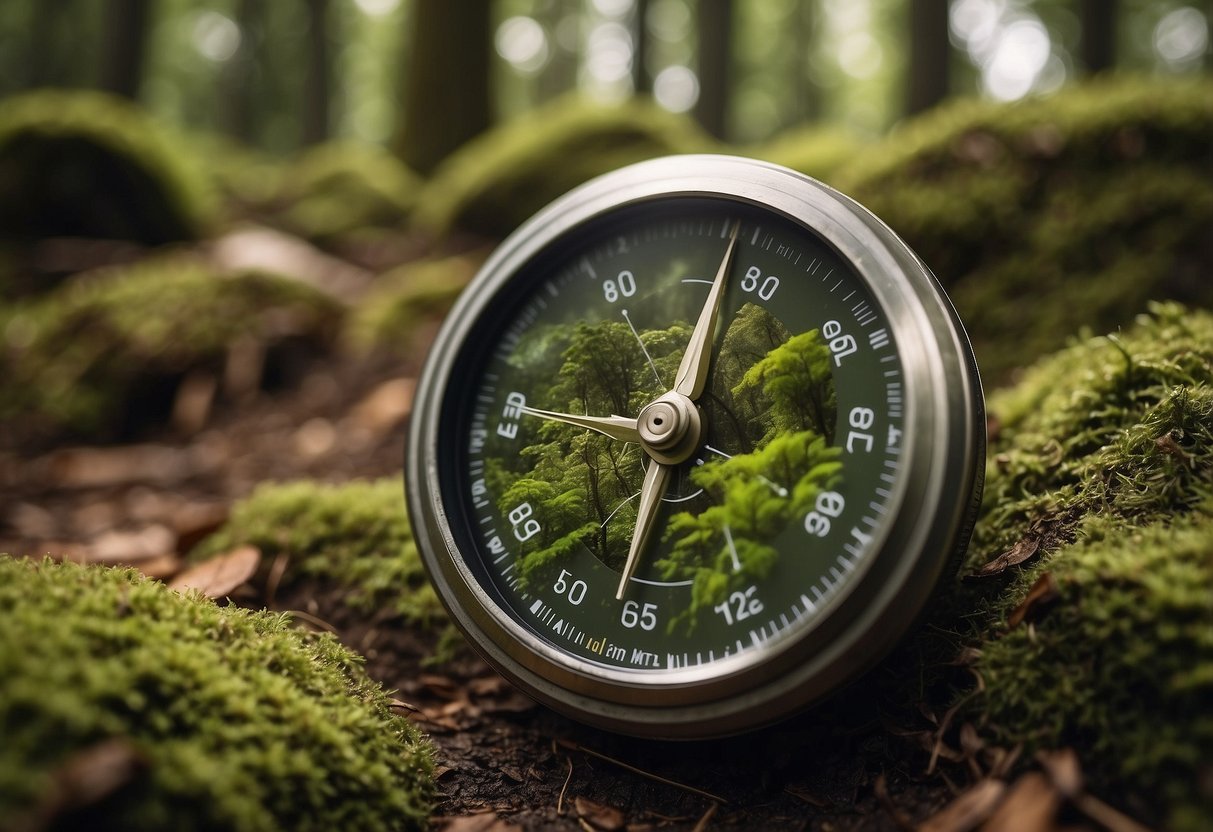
(715, 22)
(1097, 47)
(930, 54)
(124, 46)
(642, 78)
(446, 86)
(316, 91)
(804, 30)
(237, 78)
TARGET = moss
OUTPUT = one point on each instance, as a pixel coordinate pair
(353, 537)
(403, 300)
(1049, 214)
(342, 187)
(813, 150)
(105, 351)
(85, 164)
(496, 181)
(231, 719)
(1120, 426)
(1101, 475)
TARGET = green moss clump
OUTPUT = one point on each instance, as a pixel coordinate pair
(105, 351)
(232, 720)
(498, 180)
(85, 164)
(1101, 474)
(1121, 665)
(355, 537)
(405, 299)
(813, 150)
(1120, 426)
(342, 187)
(1048, 214)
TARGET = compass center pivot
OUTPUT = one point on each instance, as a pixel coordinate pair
(670, 428)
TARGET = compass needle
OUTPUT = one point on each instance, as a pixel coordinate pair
(655, 481)
(778, 493)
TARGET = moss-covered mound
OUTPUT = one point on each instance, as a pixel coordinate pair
(124, 705)
(84, 164)
(1101, 481)
(343, 187)
(1050, 214)
(496, 181)
(812, 149)
(395, 311)
(103, 354)
(353, 537)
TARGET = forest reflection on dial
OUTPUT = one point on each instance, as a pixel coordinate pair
(793, 456)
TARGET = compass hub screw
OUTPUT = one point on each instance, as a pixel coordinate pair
(670, 428)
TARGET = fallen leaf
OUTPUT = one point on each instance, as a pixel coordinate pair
(1043, 593)
(1031, 805)
(1064, 770)
(195, 521)
(386, 406)
(597, 815)
(218, 576)
(1017, 554)
(968, 810)
(131, 547)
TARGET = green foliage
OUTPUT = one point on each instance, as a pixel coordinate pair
(354, 537)
(344, 187)
(407, 298)
(498, 180)
(84, 164)
(231, 720)
(103, 350)
(1101, 469)
(1050, 214)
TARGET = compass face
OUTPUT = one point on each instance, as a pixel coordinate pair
(694, 448)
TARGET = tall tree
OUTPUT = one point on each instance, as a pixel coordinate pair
(237, 79)
(804, 33)
(446, 83)
(642, 76)
(715, 22)
(124, 46)
(1097, 44)
(930, 55)
(317, 87)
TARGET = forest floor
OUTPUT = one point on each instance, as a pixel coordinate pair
(502, 760)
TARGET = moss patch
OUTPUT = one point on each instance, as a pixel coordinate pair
(85, 164)
(342, 187)
(1101, 478)
(498, 180)
(224, 719)
(406, 299)
(813, 150)
(105, 351)
(1050, 214)
(355, 537)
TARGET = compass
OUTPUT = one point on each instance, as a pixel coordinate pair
(694, 448)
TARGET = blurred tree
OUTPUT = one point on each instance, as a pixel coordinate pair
(236, 78)
(1097, 41)
(930, 53)
(446, 83)
(642, 76)
(124, 46)
(317, 87)
(715, 21)
(804, 43)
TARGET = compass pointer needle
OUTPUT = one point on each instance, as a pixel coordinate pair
(693, 370)
(615, 427)
(655, 481)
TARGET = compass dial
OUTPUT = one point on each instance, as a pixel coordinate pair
(695, 447)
